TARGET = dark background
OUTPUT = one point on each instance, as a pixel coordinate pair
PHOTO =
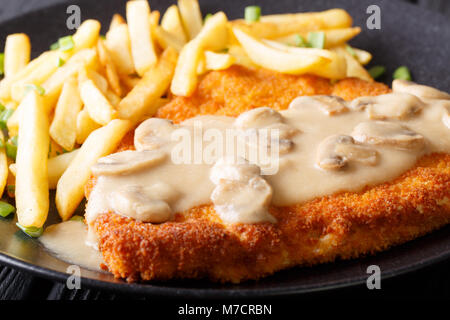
(431, 282)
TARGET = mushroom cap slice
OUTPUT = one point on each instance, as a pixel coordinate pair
(330, 105)
(258, 118)
(421, 91)
(228, 168)
(137, 203)
(387, 133)
(153, 133)
(336, 151)
(243, 201)
(389, 106)
(126, 162)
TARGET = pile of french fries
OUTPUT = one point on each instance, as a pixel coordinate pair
(72, 105)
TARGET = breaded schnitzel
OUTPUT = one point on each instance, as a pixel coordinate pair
(197, 244)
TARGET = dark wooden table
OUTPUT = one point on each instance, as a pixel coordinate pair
(431, 282)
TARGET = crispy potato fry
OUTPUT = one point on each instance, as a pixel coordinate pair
(336, 68)
(87, 35)
(119, 45)
(276, 26)
(354, 68)
(88, 74)
(278, 60)
(362, 56)
(85, 125)
(56, 167)
(6, 83)
(110, 68)
(141, 99)
(213, 36)
(85, 58)
(217, 61)
(113, 98)
(32, 197)
(333, 37)
(17, 53)
(96, 104)
(116, 20)
(166, 39)
(63, 127)
(171, 23)
(241, 57)
(101, 142)
(142, 48)
(129, 82)
(154, 18)
(191, 17)
(3, 167)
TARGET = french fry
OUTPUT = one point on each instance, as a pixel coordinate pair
(88, 74)
(129, 82)
(56, 167)
(113, 98)
(85, 58)
(171, 23)
(6, 83)
(166, 39)
(142, 48)
(32, 197)
(96, 104)
(154, 19)
(101, 142)
(119, 46)
(116, 20)
(87, 35)
(335, 68)
(362, 56)
(85, 125)
(241, 57)
(63, 127)
(17, 53)
(278, 60)
(3, 165)
(213, 36)
(110, 68)
(276, 26)
(191, 17)
(218, 61)
(354, 68)
(141, 99)
(333, 37)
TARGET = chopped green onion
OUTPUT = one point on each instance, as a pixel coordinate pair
(2, 107)
(54, 46)
(11, 147)
(2, 64)
(38, 89)
(6, 209)
(77, 218)
(66, 43)
(102, 37)
(61, 62)
(34, 232)
(377, 71)
(300, 41)
(350, 50)
(2, 143)
(4, 116)
(252, 13)
(209, 15)
(316, 39)
(402, 73)
(11, 189)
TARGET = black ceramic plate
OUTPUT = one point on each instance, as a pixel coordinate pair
(408, 36)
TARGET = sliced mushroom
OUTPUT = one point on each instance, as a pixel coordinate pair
(243, 201)
(387, 133)
(389, 106)
(127, 162)
(137, 203)
(258, 118)
(231, 169)
(330, 105)
(336, 151)
(421, 91)
(153, 134)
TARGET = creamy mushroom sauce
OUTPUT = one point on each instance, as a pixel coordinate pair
(326, 145)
